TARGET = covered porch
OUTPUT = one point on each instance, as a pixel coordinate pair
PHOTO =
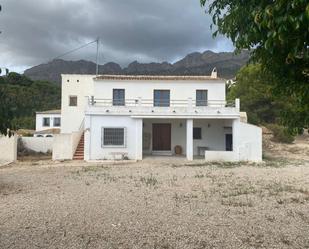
(189, 138)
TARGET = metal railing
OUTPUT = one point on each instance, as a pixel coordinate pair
(139, 102)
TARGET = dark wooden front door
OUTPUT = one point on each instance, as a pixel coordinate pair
(161, 137)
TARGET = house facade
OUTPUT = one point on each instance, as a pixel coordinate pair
(120, 116)
(47, 123)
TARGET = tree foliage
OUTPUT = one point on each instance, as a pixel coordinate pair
(254, 90)
(277, 33)
(20, 98)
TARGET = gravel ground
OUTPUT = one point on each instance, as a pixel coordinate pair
(155, 204)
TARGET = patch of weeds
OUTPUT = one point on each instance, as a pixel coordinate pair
(149, 181)
(89, 170)
(179, 198)
(278, 187)
(106, 177)
(274, 162)
(239, 190)
(94, 168)
(199, 175)
(234, 202)
(254, 240)
(270, 218)
(217, 164)
(226, 165)
(173, 182)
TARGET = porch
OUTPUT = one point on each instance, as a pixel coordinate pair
(188, 138)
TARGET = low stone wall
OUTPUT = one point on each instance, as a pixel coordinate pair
(8, 148)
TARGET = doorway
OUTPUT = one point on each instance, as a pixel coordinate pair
(228, 142)
(161, 137)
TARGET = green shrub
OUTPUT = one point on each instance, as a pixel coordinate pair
(281, 134)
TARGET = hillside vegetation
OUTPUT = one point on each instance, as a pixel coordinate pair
(254, 88)
(21, 97)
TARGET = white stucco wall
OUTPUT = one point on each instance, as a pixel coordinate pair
(8, 148)
(80, 86)
(39, 121)
(213, 134)
(93, 127)
(179, 90)
(38, 144)
(65, 144)
(250, 142)
(224, 156)
(62, 147)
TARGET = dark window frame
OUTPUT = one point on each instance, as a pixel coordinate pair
(197, 133)
(44, 124)
(71, 102)
(159, 97)
(57, 124)
(119, 97)
(107, 141)
(201, 97)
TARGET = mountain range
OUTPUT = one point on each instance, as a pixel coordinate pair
(227, 64)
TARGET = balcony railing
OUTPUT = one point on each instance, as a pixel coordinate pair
(159, 103)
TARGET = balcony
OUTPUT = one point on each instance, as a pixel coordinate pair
(150, 107)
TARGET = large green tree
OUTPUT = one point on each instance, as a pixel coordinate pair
(20, 98)
(254, 90)
(277, 33)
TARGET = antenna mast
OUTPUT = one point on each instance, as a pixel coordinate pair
(97, 57)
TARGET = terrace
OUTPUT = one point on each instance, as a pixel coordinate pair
(170, 107)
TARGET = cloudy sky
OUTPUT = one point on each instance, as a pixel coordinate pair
(36, 31)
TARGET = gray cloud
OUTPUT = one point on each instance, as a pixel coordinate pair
(163, 30)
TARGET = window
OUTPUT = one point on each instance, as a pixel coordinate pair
(197, 133)
(46, 122)
(114, 137)
(119, 97)
(161, 98)
(73, 101)
(201, 97)
(57, 122)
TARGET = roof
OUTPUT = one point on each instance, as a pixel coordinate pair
(50, 112)
(154, 77)
(49, 131)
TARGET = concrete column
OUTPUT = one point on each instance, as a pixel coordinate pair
(189, 144)
(235, 135)
(139, 139)
(87, 137)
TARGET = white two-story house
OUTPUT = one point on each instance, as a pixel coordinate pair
(120, 116)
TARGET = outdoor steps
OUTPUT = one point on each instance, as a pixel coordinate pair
(79, 153)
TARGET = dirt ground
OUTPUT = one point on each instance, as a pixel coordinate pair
(157, 203)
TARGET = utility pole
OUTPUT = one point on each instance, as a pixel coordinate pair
(97, 57)
(0, 11)
(3, 71)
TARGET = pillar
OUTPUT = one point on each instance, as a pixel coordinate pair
(139, 139)
(189, 139)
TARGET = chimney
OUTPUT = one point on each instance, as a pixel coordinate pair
(214, 73)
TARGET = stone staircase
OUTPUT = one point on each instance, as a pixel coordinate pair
(79, 153)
